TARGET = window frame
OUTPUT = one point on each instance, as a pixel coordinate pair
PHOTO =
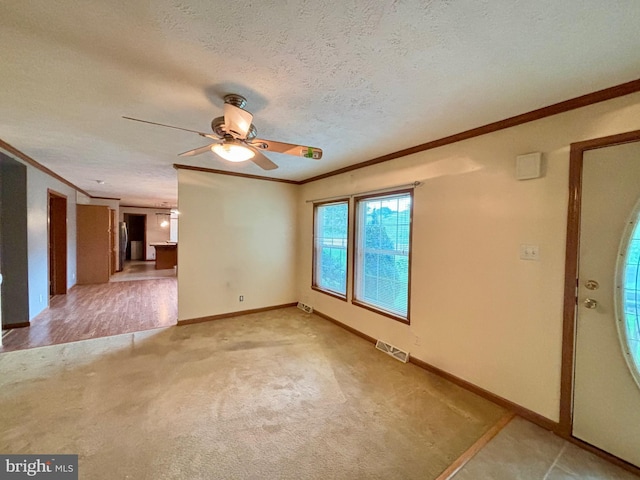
(621, 312)
(356, 254)
(314, 285)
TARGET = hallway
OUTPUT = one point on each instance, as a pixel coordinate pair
(139, 298)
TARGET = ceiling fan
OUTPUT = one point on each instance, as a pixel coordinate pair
(235, 137)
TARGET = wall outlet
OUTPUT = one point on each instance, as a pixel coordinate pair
(40, 298)
(529, 252)
(73, 276)
(241, 298)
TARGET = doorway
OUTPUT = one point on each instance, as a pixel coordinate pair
(57, 243)
(137, 236)
(600, 403)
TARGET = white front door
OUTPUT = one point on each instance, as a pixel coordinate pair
(606, 403)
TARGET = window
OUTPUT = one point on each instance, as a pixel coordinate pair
(629, 327)
(383, 243)
(331, 227)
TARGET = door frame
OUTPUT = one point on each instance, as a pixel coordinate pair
(576, 161)
(126, 218)
(113, 241)
(57, 222)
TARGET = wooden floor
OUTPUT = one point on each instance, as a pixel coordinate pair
(91, 311)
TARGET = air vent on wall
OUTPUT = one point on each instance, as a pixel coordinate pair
(529, 166)
(393, 351)
(305, 307)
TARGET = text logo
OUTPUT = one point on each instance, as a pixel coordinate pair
(49, 467)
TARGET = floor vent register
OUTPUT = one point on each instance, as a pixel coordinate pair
(395, 352)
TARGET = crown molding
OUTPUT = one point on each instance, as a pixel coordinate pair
(27, 159)
(178, 166)
(562, 107)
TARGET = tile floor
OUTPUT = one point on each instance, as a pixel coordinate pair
(524, 451)
(140, 270)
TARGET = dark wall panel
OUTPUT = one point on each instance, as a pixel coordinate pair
(13, 241)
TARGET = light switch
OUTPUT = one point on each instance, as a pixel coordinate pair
(529, 252)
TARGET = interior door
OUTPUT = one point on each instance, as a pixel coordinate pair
(57, 244)
(92, 244)
(606, 404)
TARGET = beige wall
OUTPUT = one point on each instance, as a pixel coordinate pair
(237, 237)
(477, 310)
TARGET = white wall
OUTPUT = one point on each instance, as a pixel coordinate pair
(37, 236)
(477, 310)
(237, 237)
(82, 199)
(155, 233)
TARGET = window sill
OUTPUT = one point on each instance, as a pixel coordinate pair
(330, 293)
(393, 316)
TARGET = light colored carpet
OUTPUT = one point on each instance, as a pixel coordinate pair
(278, 395)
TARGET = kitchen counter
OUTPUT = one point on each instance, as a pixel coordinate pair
(166, 255)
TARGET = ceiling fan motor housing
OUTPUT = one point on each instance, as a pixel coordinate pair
(218, 127)
(236, 100)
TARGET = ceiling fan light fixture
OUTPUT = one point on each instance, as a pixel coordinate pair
(234, 137)
(233, 152)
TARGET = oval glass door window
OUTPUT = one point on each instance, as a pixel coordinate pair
(629, 312)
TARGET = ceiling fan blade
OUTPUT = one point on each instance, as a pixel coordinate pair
(197, 151)
(288, 148)
(262, 161)
(237, 121)
(202, 134)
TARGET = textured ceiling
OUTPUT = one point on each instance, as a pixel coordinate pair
(359, 79)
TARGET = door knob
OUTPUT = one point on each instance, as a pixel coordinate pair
(590, 303)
